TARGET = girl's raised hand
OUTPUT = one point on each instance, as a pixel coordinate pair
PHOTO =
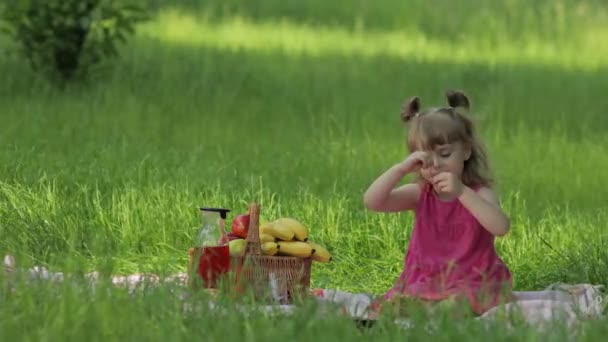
(415, 161)
(448, 183)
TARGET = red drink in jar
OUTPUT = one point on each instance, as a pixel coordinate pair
(214, 261)
(211, 257)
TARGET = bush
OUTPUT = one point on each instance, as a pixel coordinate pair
(67, 37)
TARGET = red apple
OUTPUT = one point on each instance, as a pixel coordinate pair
(232, 236)
(240, 225)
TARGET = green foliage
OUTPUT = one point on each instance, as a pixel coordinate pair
(66, 37)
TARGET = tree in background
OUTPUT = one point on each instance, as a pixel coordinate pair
(65, 38)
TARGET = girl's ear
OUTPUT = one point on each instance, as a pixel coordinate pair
(458, 100)
(410, 109)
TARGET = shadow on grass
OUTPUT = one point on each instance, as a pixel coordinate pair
(538, 97)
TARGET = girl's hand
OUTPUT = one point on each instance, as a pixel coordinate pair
(449, 184)
(415, 162)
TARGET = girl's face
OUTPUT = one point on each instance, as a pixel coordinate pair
(445, 158)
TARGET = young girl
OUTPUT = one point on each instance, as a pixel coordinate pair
(451, 253)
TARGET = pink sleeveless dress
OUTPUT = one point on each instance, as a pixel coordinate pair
(451, 254)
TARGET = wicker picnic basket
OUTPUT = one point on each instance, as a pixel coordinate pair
(270, 276)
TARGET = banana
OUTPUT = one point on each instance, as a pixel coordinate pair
(295, 248)
(300, 231)
(321, 254)
(269, 248)
(264, 237)
(279, 232)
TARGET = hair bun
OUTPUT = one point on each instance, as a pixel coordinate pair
(458, 99)
(410, 109)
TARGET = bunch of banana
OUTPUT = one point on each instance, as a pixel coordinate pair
(287, 236)
(269, 248)
(285, 229)
(302, 249)
(321, 254)
(298, 249)
(266, 238)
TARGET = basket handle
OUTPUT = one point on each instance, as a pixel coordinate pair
(253, 234)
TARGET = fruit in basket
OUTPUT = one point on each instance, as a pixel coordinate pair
(240, 225)
(270, 248)
(237, 247)
(266, 238)
(233, 236)
(298, 249)
(280, 232)
(300, 231)
(321, 254)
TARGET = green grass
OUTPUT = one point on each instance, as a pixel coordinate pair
(296, 106)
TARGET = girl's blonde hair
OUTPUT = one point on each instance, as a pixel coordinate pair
(447, 125)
